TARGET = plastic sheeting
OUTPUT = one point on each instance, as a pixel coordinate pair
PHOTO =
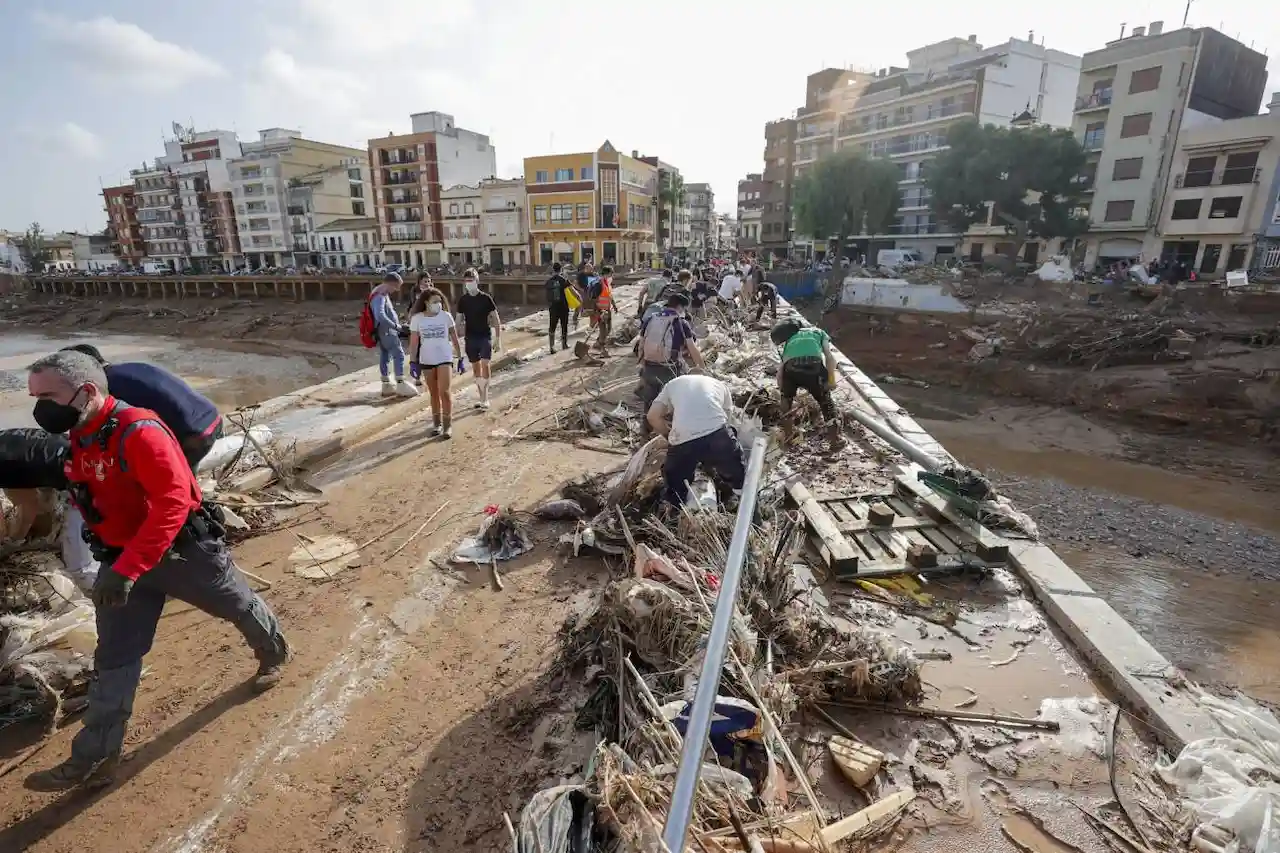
(556, 820)
(225, 449)
(32, 459)
(1231, 782)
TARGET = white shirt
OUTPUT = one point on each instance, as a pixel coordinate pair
(699, 406)
(730, 287)
(434, 346)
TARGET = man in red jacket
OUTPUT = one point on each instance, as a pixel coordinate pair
(154, 538)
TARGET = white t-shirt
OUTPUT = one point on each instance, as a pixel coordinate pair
(434, 346)
(730, 287)
(699, 406)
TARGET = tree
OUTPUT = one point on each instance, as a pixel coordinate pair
(670, 199)
(35, 253)
(1031, 175)
(845, 193)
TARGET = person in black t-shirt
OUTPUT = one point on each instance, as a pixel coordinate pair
(557, 308)
(481, 331)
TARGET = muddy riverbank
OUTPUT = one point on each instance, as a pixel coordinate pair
(1181, 537)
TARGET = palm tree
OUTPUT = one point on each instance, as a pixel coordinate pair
(671, 197)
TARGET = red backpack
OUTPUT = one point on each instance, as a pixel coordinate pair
(368, 328)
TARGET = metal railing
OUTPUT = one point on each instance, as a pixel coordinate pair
(704, 700)
(1100, 98)
(1230, 177)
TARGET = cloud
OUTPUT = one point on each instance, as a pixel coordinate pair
(64, 139)
(119, 52)
(347, 78)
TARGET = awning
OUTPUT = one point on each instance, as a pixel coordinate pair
(563, 248)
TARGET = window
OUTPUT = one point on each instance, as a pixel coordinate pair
(1127, 169)
(1199, 171)
(1119, 211)
(1212, 253)
(1227, 207)
(468, 207)
(584, 213)
(1093, 134)
(353, 175)
(1241, 168)
(587, 174)
(564, 175)
(453, 208)
(356, 190)
(1146, 80)
(357, 208)
(540, 213)
(561, 214)
(1138, 124)
(540, 176)
(1186, 208)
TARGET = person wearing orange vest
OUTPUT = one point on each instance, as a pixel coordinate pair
(155, 538)
(603, 306)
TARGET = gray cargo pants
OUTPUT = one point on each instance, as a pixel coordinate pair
(199, 573)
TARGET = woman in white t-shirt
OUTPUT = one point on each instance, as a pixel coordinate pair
(433, 345)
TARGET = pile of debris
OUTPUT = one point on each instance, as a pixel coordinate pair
(1093, 341)
(640, 654)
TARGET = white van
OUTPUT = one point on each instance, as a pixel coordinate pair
(153, 268)
(903, 258)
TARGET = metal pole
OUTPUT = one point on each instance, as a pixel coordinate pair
(695, 736)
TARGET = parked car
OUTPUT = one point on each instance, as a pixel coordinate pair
(362, 269)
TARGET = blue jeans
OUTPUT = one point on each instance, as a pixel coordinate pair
(390, 349)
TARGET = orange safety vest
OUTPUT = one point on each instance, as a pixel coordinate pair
(605, 299)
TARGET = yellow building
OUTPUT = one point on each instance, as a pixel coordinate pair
(600, 206)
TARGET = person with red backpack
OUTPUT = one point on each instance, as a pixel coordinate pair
(155, 537)
(380, 327)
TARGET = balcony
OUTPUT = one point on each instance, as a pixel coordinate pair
(1228, 178)
(296, 210)
(402, 178)
(850, 128)
(297, 228)
(410, 216)
(405, 234)
(301, 246)
(399, 157)
(915, 202)
(1093, 140)
(1099, 100)
(402, 198)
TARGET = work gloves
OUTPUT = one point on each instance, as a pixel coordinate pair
(111, 589)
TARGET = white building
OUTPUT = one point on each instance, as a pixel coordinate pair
(504, 237)
(460, 207)
(903, 114)
(93, 252)
(285, 187)
(1136, 98)
(345, 243)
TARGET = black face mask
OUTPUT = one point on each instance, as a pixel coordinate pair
(56, 418)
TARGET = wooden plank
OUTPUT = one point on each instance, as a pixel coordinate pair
(991, 547)
(836, 551)
(867, 542)
(843, 828)
(939, 541)
(898, 524)
(901, 507)
(839, 512)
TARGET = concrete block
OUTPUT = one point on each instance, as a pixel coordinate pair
(1136, 670)
(1045, 571)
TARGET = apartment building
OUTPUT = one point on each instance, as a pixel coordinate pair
(348, 242)
(159, 212)
(410, 172)
(600, 205)
(92, 252)
(726, 239)
(122, 218)
(462, 206)
(285, 187)
(779, 171)
(1219, 198)
(752, 191)
(1266, 255)
(504, 235)
(1136, 97)
(903, 114)
(198, 162)
(702, 219)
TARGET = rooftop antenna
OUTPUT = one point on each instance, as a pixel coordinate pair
(1186, 12)
(1122, 26)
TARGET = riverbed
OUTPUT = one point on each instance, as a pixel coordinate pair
(232, 373)
(1188, 552)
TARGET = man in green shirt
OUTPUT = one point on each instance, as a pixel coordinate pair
(808, 363)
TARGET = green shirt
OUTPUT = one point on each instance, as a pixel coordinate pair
(806, 343)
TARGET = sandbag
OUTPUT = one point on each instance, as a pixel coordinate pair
(32, 459)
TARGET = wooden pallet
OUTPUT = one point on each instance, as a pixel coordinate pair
(917, 534)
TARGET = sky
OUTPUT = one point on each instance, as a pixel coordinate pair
(89, 88)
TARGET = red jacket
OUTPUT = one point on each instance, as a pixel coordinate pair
(139, 483)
